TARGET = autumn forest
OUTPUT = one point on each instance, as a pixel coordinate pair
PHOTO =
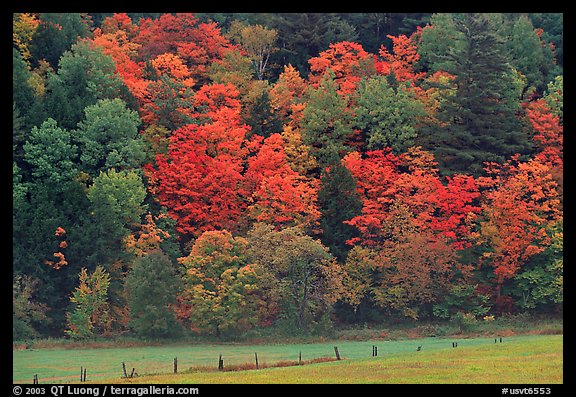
(219, 174)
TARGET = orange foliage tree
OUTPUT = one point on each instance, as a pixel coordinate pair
(412, 179)
(402, 60)
(348, 61)
(519, 201)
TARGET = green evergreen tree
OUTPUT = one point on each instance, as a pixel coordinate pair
(480, 119)
(261, 119)
(438, 41)
(22, 91)
(338, 201)
(84, 76)
(302, 36)
(152, 287)
(56, 34)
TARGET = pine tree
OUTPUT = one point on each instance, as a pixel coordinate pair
(479, 121)
(338, 202)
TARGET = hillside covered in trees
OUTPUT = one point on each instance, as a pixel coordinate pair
(219, 173)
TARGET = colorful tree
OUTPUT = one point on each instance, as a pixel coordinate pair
(115, 38)
(199, 44)
(90, 316)
(416, 267)
(403, 59)
(281, 197)
(23, 27)
(349, 63)
(200, 179)
(297, 153)
(221, 292)
(147, 239)
(60, 234)
(289, 89)
(411, 179)
(549, 133)
(303, 279)
(519, 201)
(257, 41)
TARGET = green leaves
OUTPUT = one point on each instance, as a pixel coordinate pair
(389, 117)
(117, 198)
(51, 154)
(108, 137)
(221, 293)
(84, 76)
(327, 122)
(90, 315)
(152, 286)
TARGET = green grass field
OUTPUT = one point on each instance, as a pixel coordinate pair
(519, 359)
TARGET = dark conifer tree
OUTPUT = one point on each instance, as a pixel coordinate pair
(338, 202)
(480, 121)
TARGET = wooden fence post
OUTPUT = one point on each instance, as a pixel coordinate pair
(84, 374)
(124, 369)
(256, 357)
(220, 363)
(300, 358)
(175, 365)
(81, 373)
(336, 351)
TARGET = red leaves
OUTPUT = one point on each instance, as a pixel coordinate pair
(519, 201)
(411, 179)
(401, 60)
(282, 196)
(347, 60)
(548, 133)
(208, 179)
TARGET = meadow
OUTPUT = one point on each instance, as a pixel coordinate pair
(517, 359)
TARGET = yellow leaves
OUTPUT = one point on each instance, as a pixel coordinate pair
(23, 27)
(147, 239)
(297, 154)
